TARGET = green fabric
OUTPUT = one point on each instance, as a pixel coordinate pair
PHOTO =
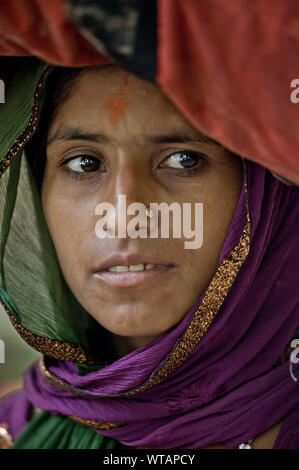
(32, 286)
(46, 431)
(84, 369)
(31, 282)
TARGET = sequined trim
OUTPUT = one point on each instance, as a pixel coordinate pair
(50, 347)
(54, 348)
(202, 318)
(6, 440)
(104, 425)
(98, 424)
(58, 382)
(29, 129)
(211, 303)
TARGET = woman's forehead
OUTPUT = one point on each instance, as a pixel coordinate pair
(108, 99)
(112, 78)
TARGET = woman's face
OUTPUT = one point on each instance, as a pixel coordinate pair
(117, 134)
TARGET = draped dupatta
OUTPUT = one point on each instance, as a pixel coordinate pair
(214, 377)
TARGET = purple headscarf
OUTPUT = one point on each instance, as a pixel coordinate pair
(220, 379)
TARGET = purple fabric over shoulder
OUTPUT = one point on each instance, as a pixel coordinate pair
(15, 411)
(230, 388)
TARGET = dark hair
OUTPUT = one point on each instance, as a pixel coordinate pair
(58, 86)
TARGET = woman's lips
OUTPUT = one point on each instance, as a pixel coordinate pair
(134, 278)
(154, 269)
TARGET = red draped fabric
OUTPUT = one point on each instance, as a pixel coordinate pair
(41, 28)
(227, 65)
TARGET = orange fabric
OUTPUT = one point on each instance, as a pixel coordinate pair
(228, 66)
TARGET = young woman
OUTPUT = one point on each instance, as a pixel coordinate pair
(144, 343)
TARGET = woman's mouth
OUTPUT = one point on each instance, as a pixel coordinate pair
(134, 274)
(132, 267)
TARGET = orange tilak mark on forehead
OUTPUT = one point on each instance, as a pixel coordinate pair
(116, 106)
(117, 102)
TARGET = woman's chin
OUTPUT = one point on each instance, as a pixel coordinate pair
(142, 331)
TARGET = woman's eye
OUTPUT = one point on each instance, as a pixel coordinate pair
(84, 163)
(184, 159)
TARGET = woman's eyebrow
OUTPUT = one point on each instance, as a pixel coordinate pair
(180, 137)
(70, 133)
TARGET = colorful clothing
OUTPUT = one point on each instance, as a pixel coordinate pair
(205, 380)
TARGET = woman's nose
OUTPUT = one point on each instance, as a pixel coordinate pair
(128, 195)
(129, 182)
